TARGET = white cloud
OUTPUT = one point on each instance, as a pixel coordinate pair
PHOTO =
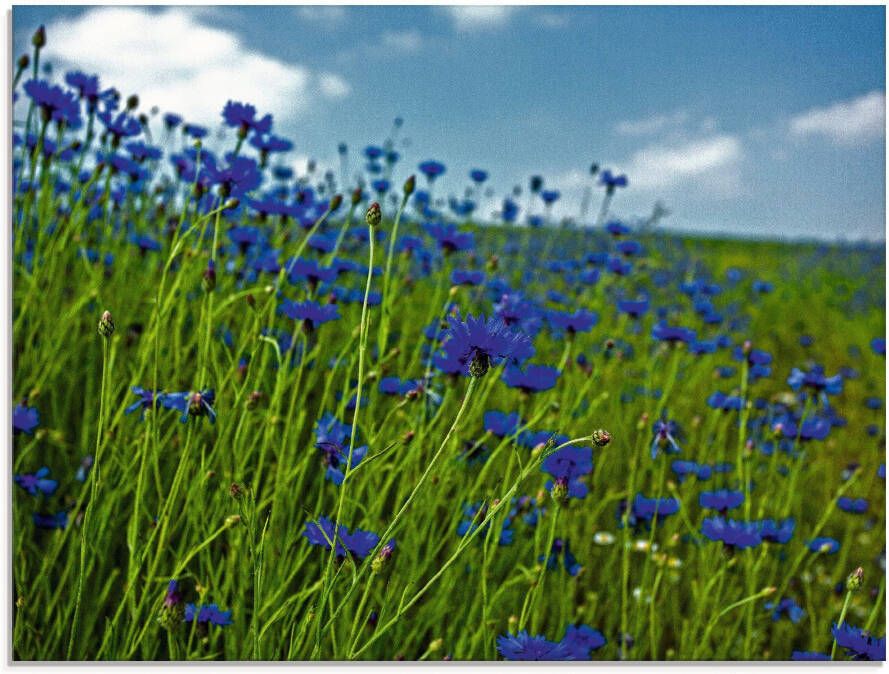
(651, 125)
(333, 86)
(405, 41)
(847, 123)
(327, 14)
(172, 60)
(479, 17)
(711, 162)
(553, 20)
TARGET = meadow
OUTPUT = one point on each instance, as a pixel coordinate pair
(261, 415)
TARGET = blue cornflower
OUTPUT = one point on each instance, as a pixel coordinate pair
(396, 387)
(431, 169)
(733, 534)
(502, 424)
(449, 239)
(629, 248)
(25, 419)
(269, 143)
(478, 176)
(611, 181)
(242, 116)
(532, 379)
(858, 643)
(121, 125)
(191, 403)
(172, 597)
(809, 656)
(38, 482)
(302, 269)
(467, 277)
(815, 380)
(646, 509)
(332, 438)
(474, 514)
(686, 468)
(616, 228)
(668, 333)
(579, 321)
(824, 544)
(665, 432)
(775, 532)
(172, 120)
(633, 308)
(55, 103)
(568, 465)
(581, 640)
(721, 499)
(359, 544)
(721, 401)
(523, 646)
(207, 614)
(312, 313)
(786, 606)
(550, 196)
(478, 342)
(237, 177)
(194, 131)
(878, 345)
(561, 548)
(856, 506)
(57, 521)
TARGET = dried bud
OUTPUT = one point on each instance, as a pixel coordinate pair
(407, 437)
(132, 102)
(559, 491)
(232, 204)
(356, 196)
(232, 520)
(335, 202)
(106, 325)
(254, 399)
(39, 39)
(208, 278)
(251, 300)
(855, 580)
(24, 61)
(601, 437)
(374, 215)
(493, 263)
(236, 491)
(409, 185)
(479, 365)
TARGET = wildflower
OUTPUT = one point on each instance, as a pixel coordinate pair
(172, 597)
(786, 606)
(148, 399)
(774, 532)
(478, 343)
(856, 506)
(859, 644)
(358, 544)
(478, 176)
(722, 499)
(525, 647)
(474, 514)
(55, 103)
(449, 239)
(633, 308)
(561, 549)
(312, 313)
(580, 321)
(237, 177)
(666, 333)
(824, 544)
(665, 432)
(809, 655)
(501, 424)
(207, 614)
(647, 509)
(721, 401)
(532, 379)
(374, 215)
(382, 557)
(243, 117)
(57, 521)
(569, 464)
(38, 482)
(733, 534)
(601, 437)
(106, 325)
(581, 640)
(611, 181)
(431, 169)
(332, 438)
(25, 419)
(192, 403)
(815, 380)
(467, 277)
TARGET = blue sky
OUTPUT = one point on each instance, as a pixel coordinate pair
(763, 121)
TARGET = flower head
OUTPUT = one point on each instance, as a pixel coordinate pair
(477, 343)
(523, 646)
